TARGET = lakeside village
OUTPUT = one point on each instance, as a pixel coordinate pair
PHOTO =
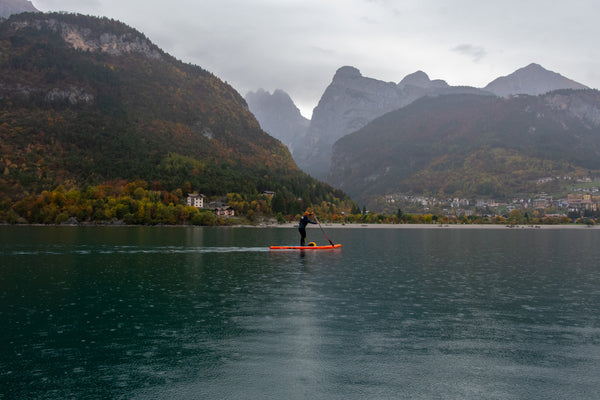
(581, 205)
(134, 203)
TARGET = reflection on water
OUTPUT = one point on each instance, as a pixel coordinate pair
(212, 313)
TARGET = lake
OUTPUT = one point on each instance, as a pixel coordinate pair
(211, 313)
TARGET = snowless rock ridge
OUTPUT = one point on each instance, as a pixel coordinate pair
(85, 39)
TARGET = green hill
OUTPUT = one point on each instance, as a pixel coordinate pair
(472, 146)
(85, 100)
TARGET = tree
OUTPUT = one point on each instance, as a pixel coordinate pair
(278, 203)
(515, 217)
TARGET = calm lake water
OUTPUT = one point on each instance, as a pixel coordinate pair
(211, 313)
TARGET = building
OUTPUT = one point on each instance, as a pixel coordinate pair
(540, 203)
(195, 200)
(574, 199)
(226, 211)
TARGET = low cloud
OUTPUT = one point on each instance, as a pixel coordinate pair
(297, 45)
(475, 52)
(84, 6)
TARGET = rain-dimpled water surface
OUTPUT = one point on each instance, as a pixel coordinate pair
(211, 313)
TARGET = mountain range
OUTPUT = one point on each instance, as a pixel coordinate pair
(352, 105)
(87, 100)
(352, 100)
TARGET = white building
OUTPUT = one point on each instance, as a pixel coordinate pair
(195, 200)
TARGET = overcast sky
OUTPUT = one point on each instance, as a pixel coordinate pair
(297, 45)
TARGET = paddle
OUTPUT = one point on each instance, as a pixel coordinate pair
(330, 242)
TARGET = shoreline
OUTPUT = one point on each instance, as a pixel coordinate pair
(294, 225)
(431, 226)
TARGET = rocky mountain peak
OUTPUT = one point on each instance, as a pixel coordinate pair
(418, 78)
(283, 97)
(533, 80)
(279, 100)
(10, 7)
(421, 79)
(350, 102)
(346, 73)
(278, 116)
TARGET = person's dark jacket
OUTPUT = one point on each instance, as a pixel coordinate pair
(305, 221)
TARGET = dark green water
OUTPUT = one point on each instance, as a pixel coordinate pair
(211, 313)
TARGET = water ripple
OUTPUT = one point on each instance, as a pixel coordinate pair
(134, 250)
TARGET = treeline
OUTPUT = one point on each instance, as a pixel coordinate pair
(139, 202)
(131, 203)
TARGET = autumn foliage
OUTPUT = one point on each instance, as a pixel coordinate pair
(73, 117)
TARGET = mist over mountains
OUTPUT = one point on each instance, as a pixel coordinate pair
(280, 117)
(354, 104)
(349, 103)
(121, 108)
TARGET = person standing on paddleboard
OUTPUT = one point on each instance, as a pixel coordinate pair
(305, 220)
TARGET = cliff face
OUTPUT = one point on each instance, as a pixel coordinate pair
(93, 40)
(350, 102)
(103, 37)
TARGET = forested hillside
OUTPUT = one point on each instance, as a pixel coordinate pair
(472, 146)
(85, 100)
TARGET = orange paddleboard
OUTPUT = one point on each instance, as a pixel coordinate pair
(328, 247)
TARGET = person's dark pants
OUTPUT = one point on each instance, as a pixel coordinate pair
(302, 236)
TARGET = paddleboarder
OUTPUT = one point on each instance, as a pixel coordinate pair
(305, 220)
